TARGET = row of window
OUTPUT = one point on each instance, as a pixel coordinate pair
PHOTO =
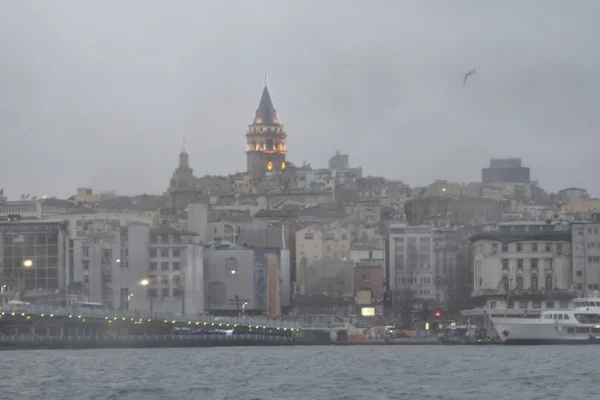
(547, 247)
(556, 316)
(593, 245)
(593, 259)
(165, 253)
(164, 239)
(533, 263)
(164, 266)
(535, 304)
(165, 292)
(164, 280)
(533, 283)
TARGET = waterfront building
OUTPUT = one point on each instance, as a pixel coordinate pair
(586, 256)
(520, 268)
(33, 255)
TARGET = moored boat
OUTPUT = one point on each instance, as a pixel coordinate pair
(577, 325)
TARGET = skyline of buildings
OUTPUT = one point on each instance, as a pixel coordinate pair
(282, 238)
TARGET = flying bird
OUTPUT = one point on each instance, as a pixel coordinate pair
(471, 72)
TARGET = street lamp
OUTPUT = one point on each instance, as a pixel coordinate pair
(27, 263)
(146, 282)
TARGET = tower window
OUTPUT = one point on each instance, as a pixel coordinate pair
(269, 144)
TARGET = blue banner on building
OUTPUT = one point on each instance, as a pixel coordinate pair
(260, 281)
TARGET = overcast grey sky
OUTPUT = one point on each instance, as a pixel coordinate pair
(101, 93)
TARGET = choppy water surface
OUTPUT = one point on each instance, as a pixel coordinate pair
(329, 372)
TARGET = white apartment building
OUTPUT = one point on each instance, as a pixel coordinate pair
(520, 268)
(137, 267)
(411, 260)
(586, 256)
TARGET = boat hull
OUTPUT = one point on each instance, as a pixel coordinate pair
(522, 332)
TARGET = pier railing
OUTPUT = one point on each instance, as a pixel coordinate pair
(136, 315)
(142, 338)
(75, 312)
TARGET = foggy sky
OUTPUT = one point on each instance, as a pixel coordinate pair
(102, 93)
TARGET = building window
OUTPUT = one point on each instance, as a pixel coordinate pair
(231, 266)
(548, 283)
(534, 247)
(164, 266)
(534, 263)
(86, 265)
(511, 304)
(559, 249)
(164, 292)
(519, 263)
(504, 247)
(308, 236)
(563, 304)
(523, 304)
(177, 280)
(152, 292)
(579, 273)
(494, 248)
(176, 266)
(519, 247)
(164, 279)
(152, 253)
(534, 282)
(86, 251)
(176, 252)
(548, 247)
(537, 304)
(86, 279)
(164, 252)
(549, 304)
(177, 292)
(519, 283)
(153, 266)
(505, 263)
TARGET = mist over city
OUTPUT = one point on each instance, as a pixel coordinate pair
(313, 192)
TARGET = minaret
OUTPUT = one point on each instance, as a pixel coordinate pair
(265, 140)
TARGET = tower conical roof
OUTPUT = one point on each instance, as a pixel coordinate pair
(265, 113)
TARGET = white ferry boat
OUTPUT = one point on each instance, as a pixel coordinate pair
(578, 325)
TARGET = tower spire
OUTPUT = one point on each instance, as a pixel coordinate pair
(265, 78)
(183, 145)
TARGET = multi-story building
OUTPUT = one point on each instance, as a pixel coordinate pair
(442, 210)
(411, 260)
(33, 255)
(236, 280)
(505, 170)
(320, 256)
(138, 267)
(33, 208)
(369, 260)
(586, 256)
(520, 268)
(172, 261)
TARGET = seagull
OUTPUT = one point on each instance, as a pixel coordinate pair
(471, 72)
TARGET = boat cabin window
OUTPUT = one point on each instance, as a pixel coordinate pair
(588, 318)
